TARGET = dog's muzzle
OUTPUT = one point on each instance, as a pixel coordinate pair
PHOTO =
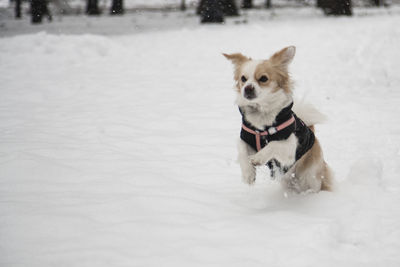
(249, 92)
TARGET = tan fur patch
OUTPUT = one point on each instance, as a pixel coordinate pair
(328, 178)
(274, 74)
(313, 160)
(283, 57)
(238, 60)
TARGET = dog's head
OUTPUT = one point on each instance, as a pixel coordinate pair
(258, 81)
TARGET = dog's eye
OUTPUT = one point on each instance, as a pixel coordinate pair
(243, 79)
(263, 79)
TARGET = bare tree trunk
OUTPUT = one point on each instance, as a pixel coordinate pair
(268, 4)
(117, 7)
(183, 5)
(18, 9)
(37, 11)
(92, 7)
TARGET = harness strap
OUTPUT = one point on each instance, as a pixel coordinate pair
(269, 131)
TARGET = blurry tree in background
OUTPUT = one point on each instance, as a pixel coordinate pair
(183, 5)
(38, 10)
(92, 7)
(117, 7)
(336, 7)
(211, 11)
(228, 7)
(18, 9)
(247, 4)
(378, 2)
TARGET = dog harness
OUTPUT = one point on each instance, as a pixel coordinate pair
(286, 123)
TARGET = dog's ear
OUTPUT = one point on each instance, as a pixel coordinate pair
(284, 57)
(237, 58)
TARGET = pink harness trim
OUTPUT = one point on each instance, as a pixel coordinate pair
(270, 131)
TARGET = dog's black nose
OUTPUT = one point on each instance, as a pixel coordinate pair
(249, 92)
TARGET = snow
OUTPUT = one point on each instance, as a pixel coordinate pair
(120, 150)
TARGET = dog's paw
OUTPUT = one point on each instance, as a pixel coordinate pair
(256, 160)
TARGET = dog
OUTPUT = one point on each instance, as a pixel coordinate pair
(273, 132)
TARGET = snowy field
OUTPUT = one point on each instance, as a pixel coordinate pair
(120, 150)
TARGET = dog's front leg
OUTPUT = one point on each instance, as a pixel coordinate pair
(284, 151)
(248, 170)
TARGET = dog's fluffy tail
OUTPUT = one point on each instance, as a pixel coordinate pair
(308, 113)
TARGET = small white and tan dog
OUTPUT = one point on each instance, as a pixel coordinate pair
(272, 134)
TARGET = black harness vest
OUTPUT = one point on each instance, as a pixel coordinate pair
(304, 135)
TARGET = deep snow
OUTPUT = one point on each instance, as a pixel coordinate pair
(121, 150)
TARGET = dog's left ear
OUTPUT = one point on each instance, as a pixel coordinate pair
(284, 57)
(237, 58)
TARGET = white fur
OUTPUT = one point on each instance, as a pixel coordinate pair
(283, 151)
(249, 68)
(265, 107)
(248, 71)
(308, 113)
(248, 169)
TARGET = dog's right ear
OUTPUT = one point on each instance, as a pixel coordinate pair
(237, 58)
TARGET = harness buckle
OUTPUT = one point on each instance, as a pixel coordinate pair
(272, 130)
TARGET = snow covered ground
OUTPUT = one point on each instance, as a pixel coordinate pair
(120, 150)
